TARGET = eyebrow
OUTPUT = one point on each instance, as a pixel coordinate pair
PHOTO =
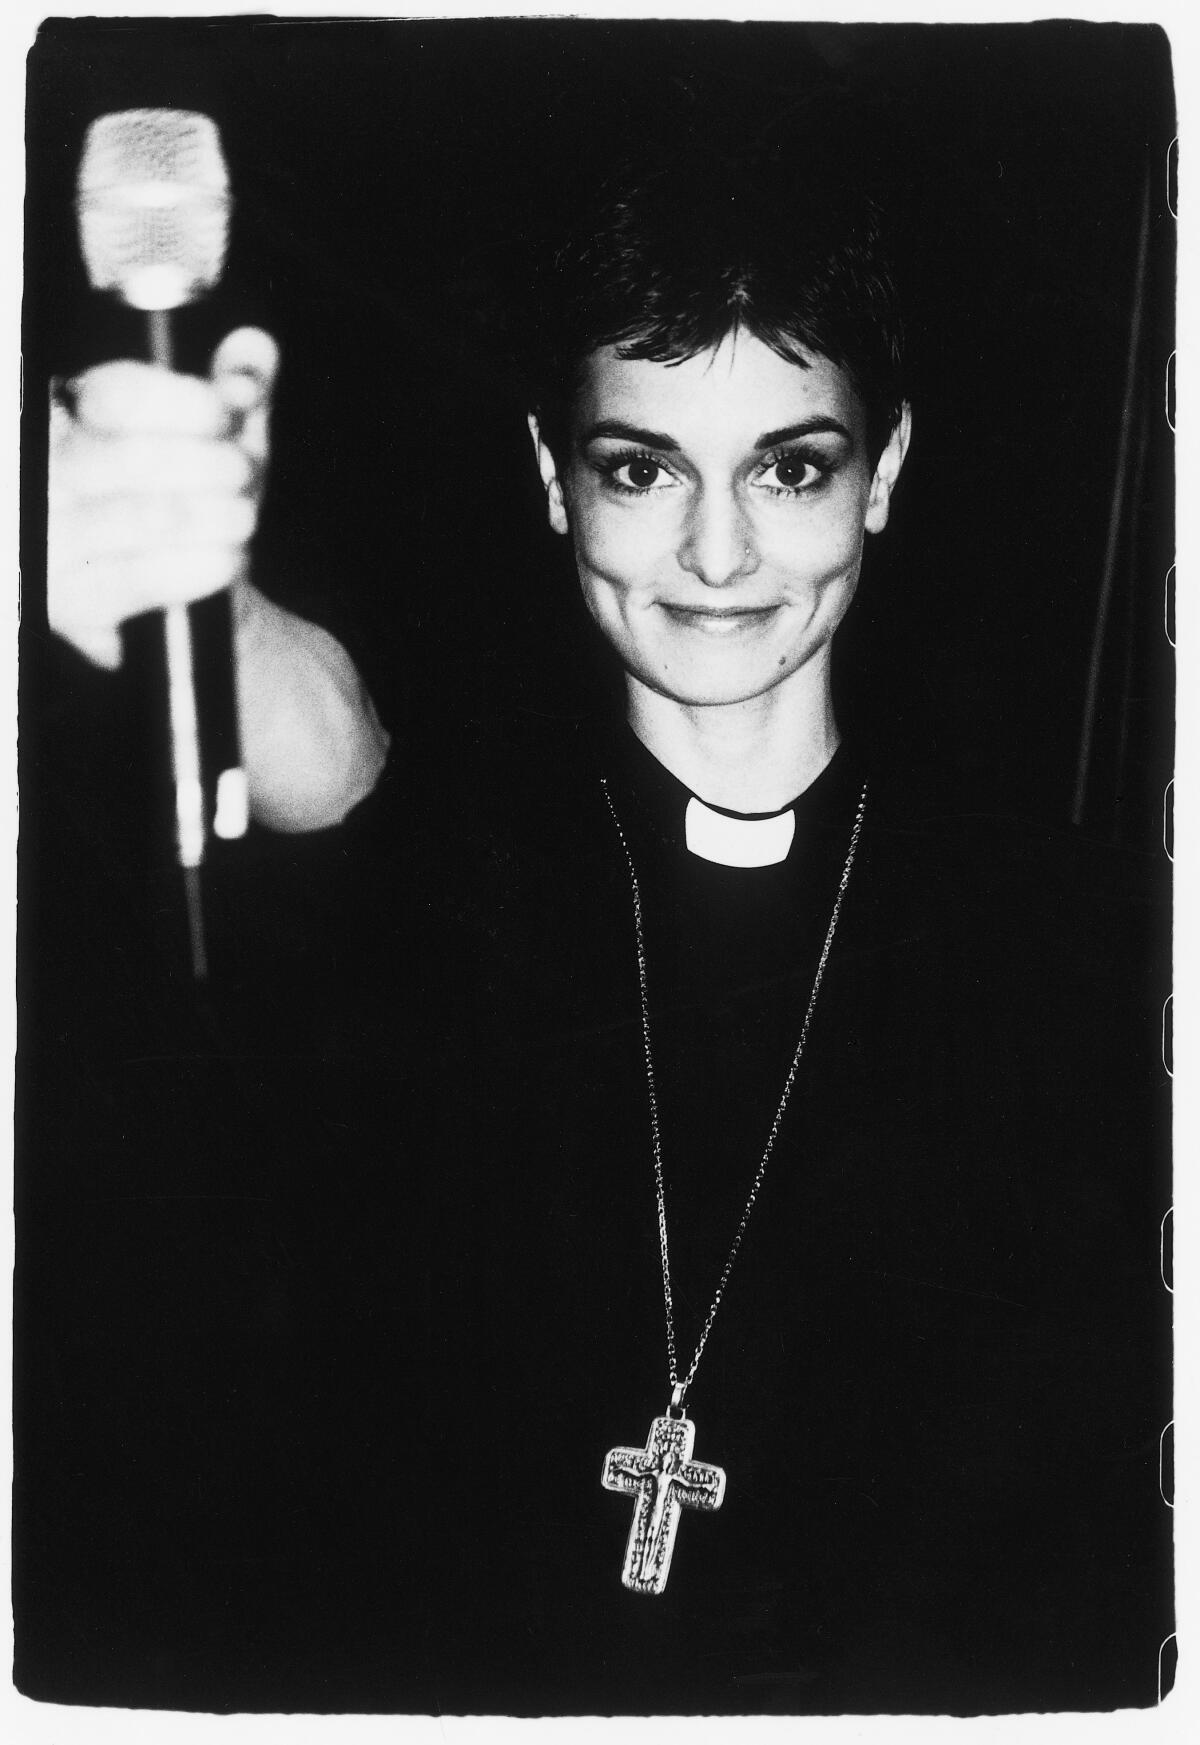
(620, 431)
(614, 427)
(818, 426)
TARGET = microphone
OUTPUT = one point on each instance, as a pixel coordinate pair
(153, 206)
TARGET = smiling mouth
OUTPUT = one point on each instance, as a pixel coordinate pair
(720, 619)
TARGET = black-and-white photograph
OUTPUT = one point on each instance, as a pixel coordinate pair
(594, 950)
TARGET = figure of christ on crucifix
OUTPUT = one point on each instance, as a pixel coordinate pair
(665, 1479)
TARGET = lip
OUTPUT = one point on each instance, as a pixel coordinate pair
(720, 620)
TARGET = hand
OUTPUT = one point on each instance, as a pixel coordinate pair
(155, 482)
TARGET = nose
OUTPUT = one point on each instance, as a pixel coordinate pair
(718, 545)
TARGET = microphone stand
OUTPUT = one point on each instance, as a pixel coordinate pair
(183, 717)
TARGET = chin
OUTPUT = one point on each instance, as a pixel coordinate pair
(714, 690)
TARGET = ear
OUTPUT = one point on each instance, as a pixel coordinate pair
(887, 472)
(555, 501)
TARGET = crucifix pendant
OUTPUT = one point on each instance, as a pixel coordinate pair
(663, 1479)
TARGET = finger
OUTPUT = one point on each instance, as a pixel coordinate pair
(244, 366)
(145, 466)
(81, 603)
(244, 369)
(161, 521)
(134, 397)
(102, 647)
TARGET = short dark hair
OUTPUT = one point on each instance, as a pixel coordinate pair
(785, 243)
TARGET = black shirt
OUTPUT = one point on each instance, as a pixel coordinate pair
(435, 1299)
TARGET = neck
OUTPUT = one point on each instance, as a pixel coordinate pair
(751, 756)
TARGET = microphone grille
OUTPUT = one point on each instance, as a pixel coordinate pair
(153, 204)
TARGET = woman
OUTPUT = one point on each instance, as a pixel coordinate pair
(697, 1064)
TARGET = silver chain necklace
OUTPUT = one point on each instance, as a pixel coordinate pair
(662, 1477)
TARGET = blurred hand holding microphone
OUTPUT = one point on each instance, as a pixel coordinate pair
(154, 477)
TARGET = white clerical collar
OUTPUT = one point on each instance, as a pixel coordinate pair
(732, 841)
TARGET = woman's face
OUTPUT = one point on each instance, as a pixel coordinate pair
(717, 508)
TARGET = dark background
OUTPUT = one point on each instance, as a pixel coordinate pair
(388, 178)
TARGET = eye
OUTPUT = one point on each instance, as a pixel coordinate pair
(641, 474)
(635, 473)
(787, 475)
